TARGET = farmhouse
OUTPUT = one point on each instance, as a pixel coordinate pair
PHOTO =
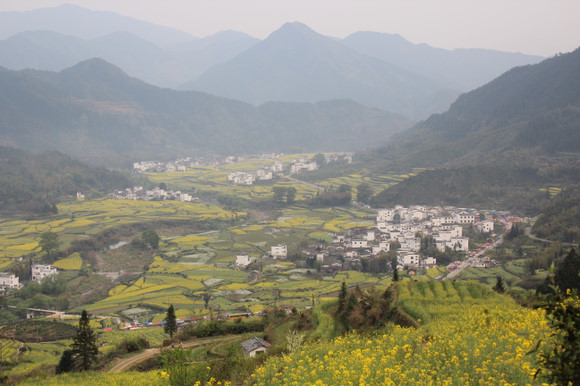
(279, 251)
(40, 271)
(255, 346)
(8, 280)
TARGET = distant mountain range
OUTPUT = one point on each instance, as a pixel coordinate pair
(68, 19)
(460, 69)
(98, 113)
(297, 64)
(293, 64)
(164, 67)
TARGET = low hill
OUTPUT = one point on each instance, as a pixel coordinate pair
(98, 113)
(34, 183)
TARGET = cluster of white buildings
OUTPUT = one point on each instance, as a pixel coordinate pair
(156, 194)
(302, 165)
(38, 272)
(179, 165)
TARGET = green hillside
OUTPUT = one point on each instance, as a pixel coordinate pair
(34, 183)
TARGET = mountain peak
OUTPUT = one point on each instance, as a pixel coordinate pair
(96, 69)
(293, 30)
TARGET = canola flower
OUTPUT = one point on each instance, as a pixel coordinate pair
(465, 341)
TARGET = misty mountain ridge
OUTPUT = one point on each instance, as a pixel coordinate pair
(406, 78)
(80, 22)
(296, 63)
(459, 69)
(170, 67)
(97, 113)
(528, 116)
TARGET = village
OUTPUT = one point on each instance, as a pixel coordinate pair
(244, 177)
(401, 232)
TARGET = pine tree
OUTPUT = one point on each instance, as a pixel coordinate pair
(170, 322)
(396, 275)
(84, 345)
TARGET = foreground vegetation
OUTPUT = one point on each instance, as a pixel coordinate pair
(467, 334)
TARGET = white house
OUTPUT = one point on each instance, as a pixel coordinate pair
(407, 259)
(8, 280)
(279, 251)
(243, 261)
(40, 271)
(385, 215)
(485, 226)
(465, 218)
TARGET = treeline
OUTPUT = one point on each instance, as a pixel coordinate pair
(496, 187)
(35, 183)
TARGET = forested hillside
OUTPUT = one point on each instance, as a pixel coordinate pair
(523, 190)
(34, 183)
(560, 219)
(96, 112)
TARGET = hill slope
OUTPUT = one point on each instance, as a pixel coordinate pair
(35, 182)
(96, 112)
(297, 64)
(527, 116)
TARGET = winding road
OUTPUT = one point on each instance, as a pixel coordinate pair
(126, 363)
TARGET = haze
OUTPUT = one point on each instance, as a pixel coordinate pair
(529, 26)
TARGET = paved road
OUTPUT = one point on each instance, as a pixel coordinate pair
(128, 362)
(469, 262)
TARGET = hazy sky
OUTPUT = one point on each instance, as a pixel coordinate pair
(543, 27)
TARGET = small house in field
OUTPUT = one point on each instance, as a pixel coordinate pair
(255, 346)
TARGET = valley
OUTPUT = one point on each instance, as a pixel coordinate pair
(325, 202)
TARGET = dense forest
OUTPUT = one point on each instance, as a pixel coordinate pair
(35, 183)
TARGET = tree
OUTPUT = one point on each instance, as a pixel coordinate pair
(561, 357)
(49, 243)
(364, 193)
(84, 345)
(396, 275)
(320, 159)
(66, 362)
(342, 298)
(150, 238)
(499, 286)
(170, 322)
(566, 274)
(290, 195)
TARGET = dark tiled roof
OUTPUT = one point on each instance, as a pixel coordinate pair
(254, 343)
